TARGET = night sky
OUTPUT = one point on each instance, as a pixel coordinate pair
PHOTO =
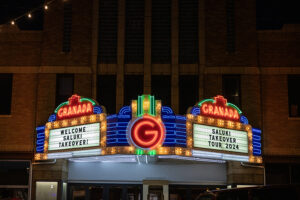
(10, 9)
(271, 14)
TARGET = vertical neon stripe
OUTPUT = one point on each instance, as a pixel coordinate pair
(152, 106)
(140, 110)
(140, 105)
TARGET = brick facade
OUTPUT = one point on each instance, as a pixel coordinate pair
(262, 58)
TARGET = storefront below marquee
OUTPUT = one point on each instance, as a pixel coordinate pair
(155, 178)
(145, 151)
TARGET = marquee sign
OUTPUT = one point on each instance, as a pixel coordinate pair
(75, 107)
(219, 108)
(217, 126)
(77, 126)
(146, 132)
(214, 129)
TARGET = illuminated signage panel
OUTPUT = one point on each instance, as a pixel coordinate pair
(223, 139)
(147, 132)
(82, 136)
(219, 108)
(75, 107)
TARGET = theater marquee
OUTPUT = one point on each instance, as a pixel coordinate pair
(76, 127)
(219, 129)
(213, 130)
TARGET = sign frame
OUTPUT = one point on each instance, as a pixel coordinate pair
(218, 123)
(84, 120)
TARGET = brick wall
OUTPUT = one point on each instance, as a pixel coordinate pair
(280, 133)
(280, 48)
(216, 31)
(17, 129)
(34, 90)
(19, 48)
(81, 35)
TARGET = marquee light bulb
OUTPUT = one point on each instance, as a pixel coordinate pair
(101, 117)
(200, 119)
(12, 22)
(37, 156)
(130, 148)
(190, 116)
(29, 15)
(46, 7)
(259, 160)
(45, 156)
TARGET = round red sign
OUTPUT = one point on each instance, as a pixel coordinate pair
(147, 132)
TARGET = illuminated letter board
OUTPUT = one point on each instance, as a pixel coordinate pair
(82, 136)
(220, 138)
(218, 129)
(77, 127)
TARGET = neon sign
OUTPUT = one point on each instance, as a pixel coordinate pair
(147, 132)
(219, 108)
(75, 107)
(213, 129)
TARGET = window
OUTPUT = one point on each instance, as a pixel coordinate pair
(64, 87)
(294, 95)
(108, 31)
(115, 192)
(231, 89)
(161, 88)
(133, 86)
(134, 36)
(277, 173)
(188, 92)
(14, 181)
(230, 22)
(161, 31)
(6, 93)
(67, 27)
(188, 31)
(282, 173)
(295, 173)
(14, 172)
(106, 92)
(274, 14)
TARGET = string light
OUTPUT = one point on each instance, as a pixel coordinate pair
(29, 14)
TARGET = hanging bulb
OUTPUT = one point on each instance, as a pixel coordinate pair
(29, 15)
(12, 22)
(45, 7)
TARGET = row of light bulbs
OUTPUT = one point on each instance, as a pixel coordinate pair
(29, 15)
